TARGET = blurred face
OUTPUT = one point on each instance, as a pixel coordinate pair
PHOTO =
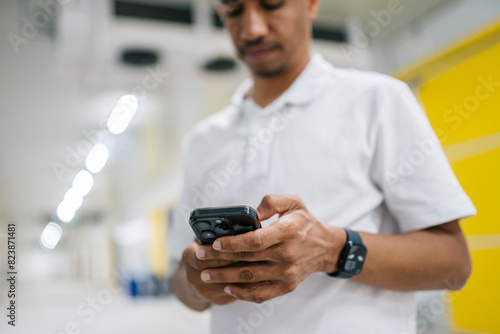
(270, 36)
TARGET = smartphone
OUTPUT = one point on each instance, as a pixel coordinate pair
(211, 223)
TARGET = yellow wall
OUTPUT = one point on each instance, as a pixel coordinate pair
(158, 245)
(460, 91)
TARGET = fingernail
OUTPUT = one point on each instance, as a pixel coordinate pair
(228, 291)
(205, 277)
(200, 253)
(217, 245)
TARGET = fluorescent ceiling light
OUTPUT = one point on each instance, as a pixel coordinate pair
(97, 157)
(64, 212)
(83, 182)
(50, 236)
(122, 114)
(72, 199)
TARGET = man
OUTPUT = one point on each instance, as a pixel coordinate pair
(324, 149)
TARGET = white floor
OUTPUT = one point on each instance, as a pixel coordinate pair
(72, 308)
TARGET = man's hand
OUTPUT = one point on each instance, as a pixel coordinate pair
(272, 261)
(278, 257)
(209, 293)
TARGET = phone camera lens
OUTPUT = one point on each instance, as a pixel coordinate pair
(222, 227)
(203, 226)
(208, 235)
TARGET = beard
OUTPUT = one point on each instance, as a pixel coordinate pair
(262, 70)
(268, 73)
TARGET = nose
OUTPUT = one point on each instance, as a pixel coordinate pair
(254, 24)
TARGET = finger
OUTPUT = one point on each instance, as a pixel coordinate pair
(258, 240)
(214, 293)
(205, 289)
(190, 259)
(223, 299)
(250, 273)
(257, 293)
(208, 253)
(279, 253)
(199, 264)
(253, 241)
(272, 204)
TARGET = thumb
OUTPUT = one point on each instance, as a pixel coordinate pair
(281, 204)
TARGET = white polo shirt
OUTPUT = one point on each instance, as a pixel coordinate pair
(359, 151)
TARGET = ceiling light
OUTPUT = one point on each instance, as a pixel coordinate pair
(50, 236)
(122, 114)
(64, 212)
(72, 199)
(83, 182)
(97, 157)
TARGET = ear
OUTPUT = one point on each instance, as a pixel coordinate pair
(312, 8)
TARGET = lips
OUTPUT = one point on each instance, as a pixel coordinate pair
(258, 52)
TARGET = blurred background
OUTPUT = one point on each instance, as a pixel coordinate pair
(95, 96)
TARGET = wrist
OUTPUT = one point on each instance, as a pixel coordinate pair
(336, 239)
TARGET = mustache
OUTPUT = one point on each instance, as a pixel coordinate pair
(259, 42)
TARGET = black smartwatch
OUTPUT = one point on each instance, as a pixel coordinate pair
(352, 257)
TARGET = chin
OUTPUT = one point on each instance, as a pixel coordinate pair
(269, 71)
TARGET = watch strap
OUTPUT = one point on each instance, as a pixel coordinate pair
(352, 238)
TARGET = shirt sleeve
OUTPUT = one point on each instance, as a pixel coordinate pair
(411, 169)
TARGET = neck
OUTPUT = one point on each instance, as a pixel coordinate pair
(266, 89)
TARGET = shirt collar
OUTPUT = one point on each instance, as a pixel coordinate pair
(303, 90)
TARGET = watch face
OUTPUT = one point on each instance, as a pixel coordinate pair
(354, 259)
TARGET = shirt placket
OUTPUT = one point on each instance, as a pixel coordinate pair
(260, 142)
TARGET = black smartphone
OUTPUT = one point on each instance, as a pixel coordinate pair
(211, 223)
